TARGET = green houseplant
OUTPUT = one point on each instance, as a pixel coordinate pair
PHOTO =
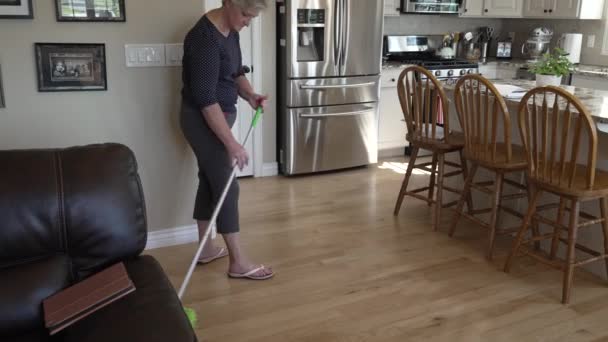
(551, 68)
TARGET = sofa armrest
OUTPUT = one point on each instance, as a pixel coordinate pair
(151, 313)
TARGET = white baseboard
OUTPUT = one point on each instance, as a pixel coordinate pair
(270, 169)
(172, 236)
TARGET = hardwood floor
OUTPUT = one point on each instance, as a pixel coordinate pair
(348, 270)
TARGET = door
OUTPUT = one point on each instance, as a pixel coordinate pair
(472, 8)
(362, 37)
(503, 8)
(244, 111)
(565, 8)
(330, 138)
(536, 8)
(312, 36)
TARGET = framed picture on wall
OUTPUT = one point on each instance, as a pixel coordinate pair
(90, 10)
(2, 103)
(71, 67)
(16, 9)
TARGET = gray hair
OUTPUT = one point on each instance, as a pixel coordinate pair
(257, 4)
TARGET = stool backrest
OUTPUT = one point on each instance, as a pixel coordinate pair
(424, 104)
(481, 111)
(554, 137)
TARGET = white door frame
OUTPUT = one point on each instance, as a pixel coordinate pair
(256, 82)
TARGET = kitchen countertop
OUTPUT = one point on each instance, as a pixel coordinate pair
(596, 101)
(581, 69)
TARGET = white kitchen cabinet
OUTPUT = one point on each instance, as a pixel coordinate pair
(472, 8)
(391, 126)
(591, 82)
(391, 8)
(536, 8)
(564, 9)
(492, 8)
(503, 8)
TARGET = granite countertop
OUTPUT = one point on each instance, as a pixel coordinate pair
(581, 69)
(596, 101)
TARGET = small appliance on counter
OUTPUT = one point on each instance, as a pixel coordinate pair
(504, 49)
(537, 44)
(571, 43)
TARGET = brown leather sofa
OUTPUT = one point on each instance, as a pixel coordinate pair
(65, 214)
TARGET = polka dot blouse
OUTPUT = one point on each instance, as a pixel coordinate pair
(210, 64)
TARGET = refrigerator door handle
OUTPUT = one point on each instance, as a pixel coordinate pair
(345, 35)
(336, 86)
(322, 115)
(336, 32)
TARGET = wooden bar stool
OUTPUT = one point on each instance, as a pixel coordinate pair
(554, 139)
(424, 105)
(481, 109)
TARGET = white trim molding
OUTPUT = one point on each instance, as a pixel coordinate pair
(605, 37)
(270, 169)
(172, 237)
(256, 61)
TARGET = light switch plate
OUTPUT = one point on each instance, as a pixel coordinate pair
(174, 54)
(145, 55)
(591, 41)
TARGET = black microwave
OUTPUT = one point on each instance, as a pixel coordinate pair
(430, 6)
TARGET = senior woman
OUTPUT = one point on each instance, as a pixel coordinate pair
(212, 81)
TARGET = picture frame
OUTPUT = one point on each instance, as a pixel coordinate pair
(71, 67)
(16, 9)
(90, 10)
(2, 101)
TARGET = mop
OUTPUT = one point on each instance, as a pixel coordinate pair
(212, 230)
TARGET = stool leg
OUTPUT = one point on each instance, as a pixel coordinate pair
(534, 223)
(466, 192)
(604, 211)
(465, 174)
(494, 216)
(523, 229)
(572, 235)
(439, 201)
(406, 180)
(557, 231)
(432, 183)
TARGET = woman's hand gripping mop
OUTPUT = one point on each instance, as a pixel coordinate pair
(212, 224)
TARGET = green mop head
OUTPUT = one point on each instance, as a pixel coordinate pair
(191, 314)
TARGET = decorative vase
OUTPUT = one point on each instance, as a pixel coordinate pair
(547, 80)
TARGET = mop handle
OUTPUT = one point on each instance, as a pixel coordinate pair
(216, 211)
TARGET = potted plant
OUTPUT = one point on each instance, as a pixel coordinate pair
(551, 68)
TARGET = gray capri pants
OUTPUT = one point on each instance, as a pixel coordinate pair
(214, 169)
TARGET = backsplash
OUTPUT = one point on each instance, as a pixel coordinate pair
(441, 24)
(590, 56)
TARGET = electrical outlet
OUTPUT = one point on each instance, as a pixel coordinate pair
(591, 41)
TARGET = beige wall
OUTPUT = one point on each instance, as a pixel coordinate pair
(139, 108)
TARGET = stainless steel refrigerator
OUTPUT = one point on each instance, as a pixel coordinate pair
(329, 62)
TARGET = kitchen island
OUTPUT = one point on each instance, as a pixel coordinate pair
(596, 101)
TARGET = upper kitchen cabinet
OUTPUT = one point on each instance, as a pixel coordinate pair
(391, 8)
(472, 8)
(503, 8)
(492, 8)
(564, 9)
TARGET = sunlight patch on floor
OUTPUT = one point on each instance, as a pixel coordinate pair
(401, 168)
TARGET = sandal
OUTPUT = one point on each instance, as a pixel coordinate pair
(222, 252)
(251, 274)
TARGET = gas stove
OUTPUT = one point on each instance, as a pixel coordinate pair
(415, 50)
(446, 70)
